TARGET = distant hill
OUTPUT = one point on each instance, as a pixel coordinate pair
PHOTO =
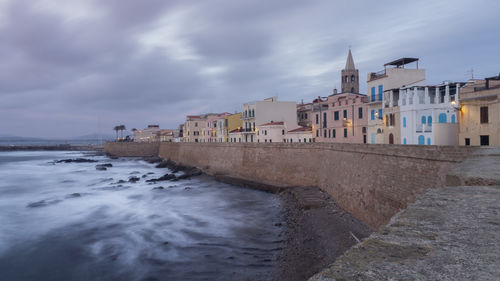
(94, 137)
(18, 138)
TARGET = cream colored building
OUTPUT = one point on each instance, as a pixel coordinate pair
(150, 134)
(236, 135)
(395, 75)
(266, 111)
(479, 115)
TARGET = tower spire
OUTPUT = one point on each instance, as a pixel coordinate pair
(349, 65)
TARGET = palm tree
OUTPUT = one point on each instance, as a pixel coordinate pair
(122, 128)
(116, 128)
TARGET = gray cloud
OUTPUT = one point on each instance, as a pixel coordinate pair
(77, 67)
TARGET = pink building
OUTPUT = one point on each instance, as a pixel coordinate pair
(211, 126)
(344, 120)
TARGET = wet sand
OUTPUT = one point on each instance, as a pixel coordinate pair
(318, 231)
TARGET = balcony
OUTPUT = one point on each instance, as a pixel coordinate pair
(248, 131)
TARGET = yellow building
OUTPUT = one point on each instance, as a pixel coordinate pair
(479, 118)
(231, 122)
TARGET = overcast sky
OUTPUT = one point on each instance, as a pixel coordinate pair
(76, 67)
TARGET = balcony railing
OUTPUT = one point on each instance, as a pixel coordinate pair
(376, 75)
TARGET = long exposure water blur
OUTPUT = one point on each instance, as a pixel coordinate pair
(69, 221)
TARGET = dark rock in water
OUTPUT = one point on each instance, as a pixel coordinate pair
(153, 159)
(107, 179)
(134, 173)
(121, 181)
(187, 188)
(165, 243)
(158, 188)
(73, 195)
(144, 176)
(100, 168)
(150, 173)
(113, 157)
(43, 203)
(163, 178)
(77, 160)
(108, 165)
(134, 179)
(191, 172)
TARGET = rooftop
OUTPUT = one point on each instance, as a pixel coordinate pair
(301, 129)
(402, 61)
(273, 123)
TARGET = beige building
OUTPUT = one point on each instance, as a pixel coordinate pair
(479, 114)
(266, 111)
(194, 128)
(395, 75)
(236, 135)
(231, 123)
(304, 114)
(150, 134)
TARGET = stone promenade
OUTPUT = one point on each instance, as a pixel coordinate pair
(450, 233)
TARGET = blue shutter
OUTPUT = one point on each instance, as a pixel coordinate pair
(404, 141)
(380, 114)
(428, 141)
(380, 91)
(442, 118)
(373, 93)
(404, 124)
(423, 119)
(429, 120)
(373, 138)
(373, 114)
(453, 118)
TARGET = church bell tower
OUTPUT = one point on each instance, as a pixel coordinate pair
(350, 76)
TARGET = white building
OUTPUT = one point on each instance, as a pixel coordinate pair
(236, 135)
(428, 115)
(301, 134)
(271, 132)
(396, 74)
(266, 111)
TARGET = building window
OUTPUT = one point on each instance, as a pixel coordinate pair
(373, 93)
(283, 132)
(404, 122)
(363, 130)
(324, 133)
(372, 139)
(317, 119)
(345, 132)
(429, 120)
(324, 119)
(305, 115)
(196, 124)
(442, 118)
(336, 115)
(265, 132)
(423, 119)
(467, 141)
(380, 92)
(485, 140)
(428, 141)
(372, 114)
(317, 133)
(345, 113)
(329, 133)
(380, 114)
(347, 78)
(352, 78)
(453, 118)
(404, 141)
(484, 114)
(360, 113)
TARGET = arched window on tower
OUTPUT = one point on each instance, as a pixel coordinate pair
(347, 78)
(352, 90)
(353, 78)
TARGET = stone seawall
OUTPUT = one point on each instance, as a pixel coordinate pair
(131, 149)
(372, 182)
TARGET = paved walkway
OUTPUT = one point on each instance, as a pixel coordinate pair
(451, 233)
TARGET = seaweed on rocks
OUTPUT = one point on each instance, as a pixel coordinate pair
(76, 160)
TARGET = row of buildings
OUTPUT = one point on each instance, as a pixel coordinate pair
(399, 108)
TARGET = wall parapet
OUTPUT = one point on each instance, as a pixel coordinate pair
(372, 182)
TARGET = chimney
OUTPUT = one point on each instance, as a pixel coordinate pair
(334, 91)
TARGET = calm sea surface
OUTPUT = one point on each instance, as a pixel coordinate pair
(69, 221)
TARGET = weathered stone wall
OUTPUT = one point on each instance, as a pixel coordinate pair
(131, 149)
(372, 182)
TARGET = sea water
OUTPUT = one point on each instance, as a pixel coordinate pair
(69, 221)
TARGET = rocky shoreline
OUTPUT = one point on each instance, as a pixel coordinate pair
(68, 147)
(317, 229)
